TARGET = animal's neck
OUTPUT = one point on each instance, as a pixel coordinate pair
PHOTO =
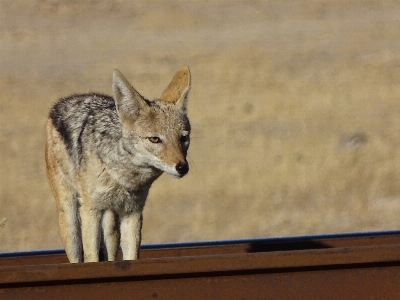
(127, 169)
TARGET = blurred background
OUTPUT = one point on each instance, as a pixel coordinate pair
(294, 108)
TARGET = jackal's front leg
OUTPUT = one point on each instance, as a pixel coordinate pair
(90, 219)
(110, 234)
(131, 235)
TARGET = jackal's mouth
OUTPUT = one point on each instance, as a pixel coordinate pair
(180, 170)
(176, 176)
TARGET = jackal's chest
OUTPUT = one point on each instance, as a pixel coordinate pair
(107, 194)
(103, 192)
(116, 187)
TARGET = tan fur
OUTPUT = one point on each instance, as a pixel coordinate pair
(57, 168)
(178, 85)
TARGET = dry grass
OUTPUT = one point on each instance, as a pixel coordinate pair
(294, 110)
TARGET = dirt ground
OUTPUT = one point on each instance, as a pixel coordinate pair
(294, 108)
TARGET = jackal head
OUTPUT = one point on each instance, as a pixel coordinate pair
(155, 133)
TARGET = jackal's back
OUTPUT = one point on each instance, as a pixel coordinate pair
(85, 120)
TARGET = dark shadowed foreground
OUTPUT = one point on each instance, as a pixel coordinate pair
(313, 267)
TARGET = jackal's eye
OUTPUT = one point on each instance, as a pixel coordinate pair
(185, 138)
(154, 139)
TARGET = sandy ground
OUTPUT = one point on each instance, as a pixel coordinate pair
(294, 108)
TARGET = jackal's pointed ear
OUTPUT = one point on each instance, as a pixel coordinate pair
(178, 89)
(128, 101)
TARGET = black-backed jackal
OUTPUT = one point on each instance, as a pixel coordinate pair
(103, 154)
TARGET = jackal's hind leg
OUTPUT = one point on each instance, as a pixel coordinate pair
(68, 220)
(66, 197)
(90, 219)
(67, 208)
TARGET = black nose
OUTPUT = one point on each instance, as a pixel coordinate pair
(182, 168)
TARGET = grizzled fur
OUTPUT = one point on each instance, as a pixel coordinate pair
(103, 154)
(97, 119)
